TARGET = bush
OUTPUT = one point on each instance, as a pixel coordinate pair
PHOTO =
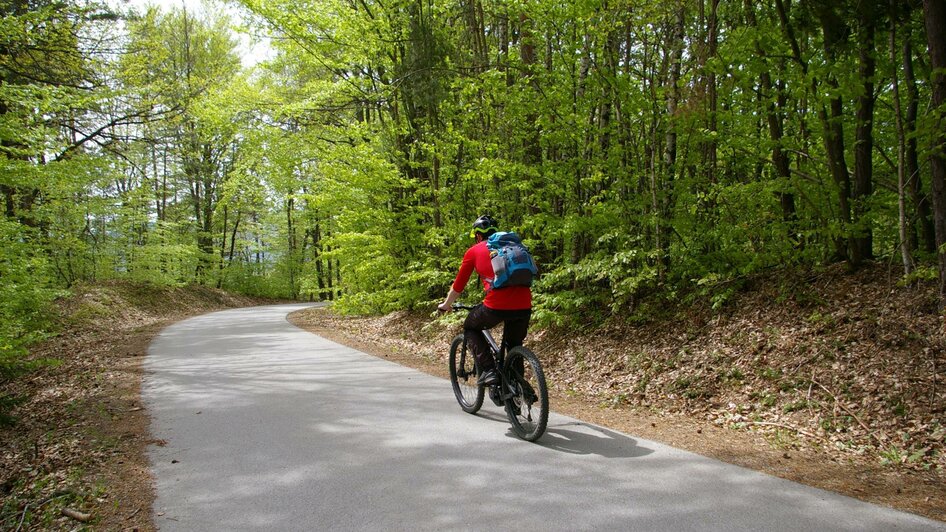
(25, 294)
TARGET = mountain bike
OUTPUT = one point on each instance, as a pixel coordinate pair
(521, 389)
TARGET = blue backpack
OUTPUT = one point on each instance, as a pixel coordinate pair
(512, 263)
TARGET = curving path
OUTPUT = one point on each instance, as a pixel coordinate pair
(263, 426)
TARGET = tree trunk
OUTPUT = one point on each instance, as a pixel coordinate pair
(906, 228)
(864, 135)
(832, 119)
(233, 235)
(317, 258)
(921, 202)
(665, 185)
(291, 245)
(710, 146)
(223, 247)
(935, 14)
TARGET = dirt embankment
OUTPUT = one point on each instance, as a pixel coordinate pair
(835, 380)
(81, 432)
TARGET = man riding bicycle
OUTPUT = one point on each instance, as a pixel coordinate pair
(510, 304)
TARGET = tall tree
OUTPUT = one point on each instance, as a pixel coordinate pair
(183, 62)
(935, 16)
(907, 241)
(869, 13)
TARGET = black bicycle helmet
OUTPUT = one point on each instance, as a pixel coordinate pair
(485, 224)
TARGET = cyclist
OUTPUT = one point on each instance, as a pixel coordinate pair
(511, 304)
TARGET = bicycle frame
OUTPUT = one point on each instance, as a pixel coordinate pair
(498, 352)
(525, 398)
(494, 347)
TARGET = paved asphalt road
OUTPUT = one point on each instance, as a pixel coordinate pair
(264, 426)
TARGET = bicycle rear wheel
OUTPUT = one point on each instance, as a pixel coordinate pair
(463, 377)
(525, 393)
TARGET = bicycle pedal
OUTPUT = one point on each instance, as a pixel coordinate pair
(495, 395)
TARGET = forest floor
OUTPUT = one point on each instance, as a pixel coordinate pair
(840, 386)
(834, 380)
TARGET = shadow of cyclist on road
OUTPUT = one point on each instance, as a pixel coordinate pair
(589, 439)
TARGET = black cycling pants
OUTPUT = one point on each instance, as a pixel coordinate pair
(481, 317)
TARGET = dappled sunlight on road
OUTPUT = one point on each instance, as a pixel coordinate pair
(269, 427)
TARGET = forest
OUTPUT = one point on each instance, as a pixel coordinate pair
(649, 152)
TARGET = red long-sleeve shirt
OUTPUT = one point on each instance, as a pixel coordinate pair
(508, 298)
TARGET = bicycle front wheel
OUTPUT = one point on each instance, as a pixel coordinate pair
(463, 377)
(525, 394)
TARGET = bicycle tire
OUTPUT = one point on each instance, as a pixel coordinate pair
(463, 378)
(526, 394)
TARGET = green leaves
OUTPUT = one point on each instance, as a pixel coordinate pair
(645, 151)
(25, 292)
